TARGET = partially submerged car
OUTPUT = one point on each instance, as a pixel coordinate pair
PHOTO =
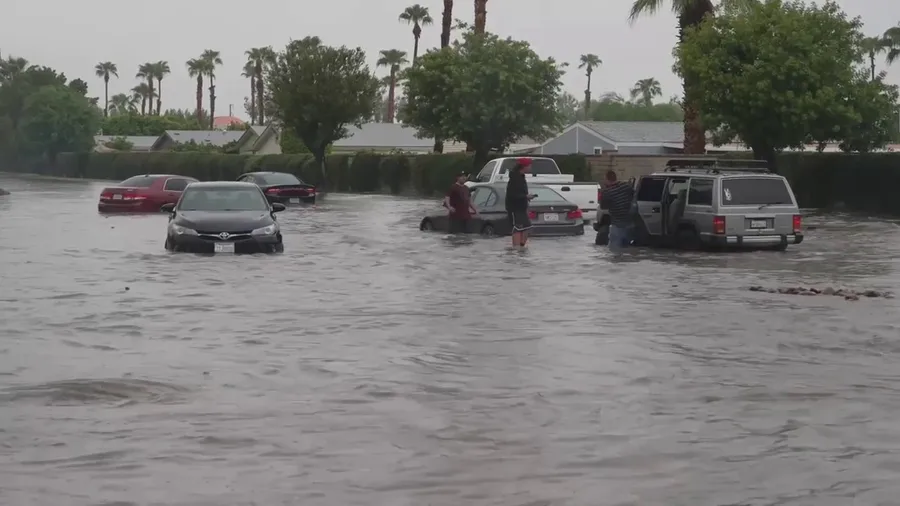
(710, 203)
(551, 214)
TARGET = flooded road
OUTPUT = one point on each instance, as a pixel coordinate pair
(372, 364)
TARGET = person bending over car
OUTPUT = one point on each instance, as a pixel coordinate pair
(618, 196)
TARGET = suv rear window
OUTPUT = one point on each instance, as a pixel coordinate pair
(542, 166)
(755, 191)
(139, 182)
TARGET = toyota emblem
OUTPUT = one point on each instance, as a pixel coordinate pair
(224, 235)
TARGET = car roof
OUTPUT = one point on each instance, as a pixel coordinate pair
(704, 173)
(160, 176)
(264, 172)
(222, 184)
(502, 185)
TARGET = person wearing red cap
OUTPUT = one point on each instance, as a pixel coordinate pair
(517, 199)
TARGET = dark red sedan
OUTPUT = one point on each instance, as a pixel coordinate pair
(143, 194)
(282, 187)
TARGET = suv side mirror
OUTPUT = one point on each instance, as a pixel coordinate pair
(168, 208)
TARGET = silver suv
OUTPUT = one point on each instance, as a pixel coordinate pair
(709, 203)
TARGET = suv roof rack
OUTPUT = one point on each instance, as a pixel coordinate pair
(716, 165)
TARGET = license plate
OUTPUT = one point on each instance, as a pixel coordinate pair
(224, 247)
(758, 224)
(551, 217)
(117, 197)
(295, 201)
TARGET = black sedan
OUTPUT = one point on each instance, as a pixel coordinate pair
(223, 217)
(550, 213)
(282, 187)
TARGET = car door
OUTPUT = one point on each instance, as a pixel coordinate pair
(648, 198)
(173, 188)
(675, 185)
(486, 203)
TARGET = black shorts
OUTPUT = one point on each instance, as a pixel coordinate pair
(460, 225)
(519, 220)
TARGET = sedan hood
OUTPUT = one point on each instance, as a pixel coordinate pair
(224, 221)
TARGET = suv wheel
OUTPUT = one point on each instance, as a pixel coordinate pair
(687, 239)
(602, 235)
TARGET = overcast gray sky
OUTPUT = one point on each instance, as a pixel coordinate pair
(73, 36)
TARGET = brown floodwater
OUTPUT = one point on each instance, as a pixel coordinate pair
(373, 364)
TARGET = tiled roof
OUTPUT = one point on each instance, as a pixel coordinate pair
(637, 131)
(214, 137)
(138, 142)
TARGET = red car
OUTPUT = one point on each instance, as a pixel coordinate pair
(143, 194)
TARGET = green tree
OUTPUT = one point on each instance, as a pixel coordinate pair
(616, 109)
(211, 59)
(58, 119)
(690, 14)
(588, 63)
(317, 90)
(104, 70)
(873, 46)
(122, 103)
(78, 85)
(484, 91)
(143, 93)
(250, 73)
(771, 87)
(197, 68)
(645, 90)
(417, 16)
(892, 44)
(567, 107)
(159, 71)
(261, 58)
(130, 124)
(393, 59)
(146, 72)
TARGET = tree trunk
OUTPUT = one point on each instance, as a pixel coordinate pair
(480, 158)
(322, 187)
(872, 59)
(199, 99)
(587, 97)
(106, 95)
(390, 105)
(694, 135)
(253, 100)
(446, 23)
(212, 103)
(159, 97)
(767, 154)
(260, 95)
(480, 16)
(144, 106)
(152, 90)
(417, 32)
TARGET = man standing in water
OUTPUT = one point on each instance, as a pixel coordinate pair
(517, 199)
(617, 197)
(458, 202)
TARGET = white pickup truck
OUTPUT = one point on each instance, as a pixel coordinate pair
(544, 171)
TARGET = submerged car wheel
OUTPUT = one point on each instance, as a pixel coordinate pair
(426, 225)
(278, 248)
(602, 238)
(170, 246)
(687, 239)
(488, 231)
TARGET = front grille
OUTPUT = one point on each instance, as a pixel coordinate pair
(233, 236)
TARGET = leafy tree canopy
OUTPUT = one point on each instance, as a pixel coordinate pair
(612, 110)
(137, 124)
(317, 90)
(484, 91)
(781, 74)
(59, 119)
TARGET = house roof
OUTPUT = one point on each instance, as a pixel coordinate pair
(637, 131)
(383, 135)
(138, 142)
(215, 137)
(251, 134)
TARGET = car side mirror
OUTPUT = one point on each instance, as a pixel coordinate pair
(277, 207)
(168, 208)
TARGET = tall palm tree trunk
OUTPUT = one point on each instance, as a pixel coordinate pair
(106, 96)
(446, 26)
(212, 103)
(417, 32)
(872, 61)
(587, 96)
(480, 16)
(252, 100)
(159, 97)
(199, 99)
(143, 106)
(152, 92)
(390, 105)
(694, 132)
(260, 95)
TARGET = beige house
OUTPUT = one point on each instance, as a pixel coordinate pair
(260, 140)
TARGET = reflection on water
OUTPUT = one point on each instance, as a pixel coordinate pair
(373, 364)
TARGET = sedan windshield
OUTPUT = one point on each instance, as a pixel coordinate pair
(223, 199)
(280, 179)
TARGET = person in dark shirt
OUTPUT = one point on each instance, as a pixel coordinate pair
(517, 199)
(617, 198)
(458, 203)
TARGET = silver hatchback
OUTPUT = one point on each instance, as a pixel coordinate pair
(705, 203)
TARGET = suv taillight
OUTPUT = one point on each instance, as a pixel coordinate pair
(798, 223)
(599, 195)
(719, 225)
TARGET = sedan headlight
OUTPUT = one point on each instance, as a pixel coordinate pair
(269, 230)
(179, 230)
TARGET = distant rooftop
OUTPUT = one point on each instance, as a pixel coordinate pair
(637, 131)
(383, 135)
(138, 142)
(215, 137)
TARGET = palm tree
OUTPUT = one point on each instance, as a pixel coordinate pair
(892, 44)
(160, 71)
(197, 68)
(418, 16)
(393, 59)
(611, 97)
(645, 90)
(143, 93)
(262, 58)
(480, 16)
(121, 103)
(250, 72)
(446, 28)
(690, 14)
(874, 46)
(145, 71)
(212, 59)
(104, 70)
(589, 62)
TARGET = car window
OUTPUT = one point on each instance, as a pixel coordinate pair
(755, 191)
(485, 175)
(700, 192)
(676, 185)
(139, 182)
(546, 195)
(279, 179)
(492, 200)
(481, 196)
(176, 184)
(223, 199)
(540, 166)
(651, 189)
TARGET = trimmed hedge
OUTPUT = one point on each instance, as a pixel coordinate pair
(359, 173)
